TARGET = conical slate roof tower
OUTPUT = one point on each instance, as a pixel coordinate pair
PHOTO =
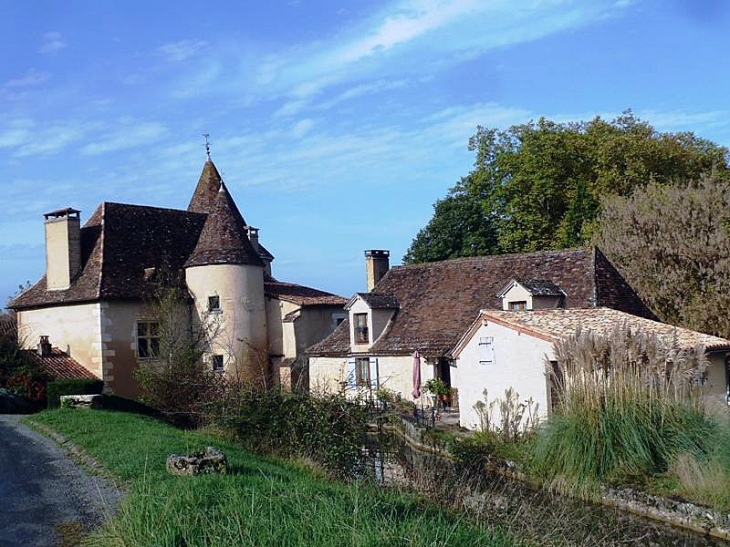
(224, 238)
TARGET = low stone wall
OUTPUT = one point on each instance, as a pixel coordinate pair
(675, 513)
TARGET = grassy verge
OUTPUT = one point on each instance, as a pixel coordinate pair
(262, 502)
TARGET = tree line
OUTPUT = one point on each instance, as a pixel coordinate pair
(658, 204)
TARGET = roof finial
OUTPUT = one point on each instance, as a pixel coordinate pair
(207, 144)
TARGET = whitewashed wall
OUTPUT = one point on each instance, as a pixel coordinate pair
(518, 362)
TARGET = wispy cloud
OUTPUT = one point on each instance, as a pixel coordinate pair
(52, 42)
(302, 127)
(184, 49)
(445, 33)
(31, 78)
(130, 134)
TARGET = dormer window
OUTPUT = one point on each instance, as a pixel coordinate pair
(531, 294)
(361, 328)
(214, 303)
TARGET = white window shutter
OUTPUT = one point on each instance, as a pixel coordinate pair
(351, 374)
(486, 350)
(373, 372)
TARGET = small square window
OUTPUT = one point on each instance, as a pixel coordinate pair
(518, 306)
(217, 362)
(214, 303)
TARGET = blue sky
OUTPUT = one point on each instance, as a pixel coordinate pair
(336, 125)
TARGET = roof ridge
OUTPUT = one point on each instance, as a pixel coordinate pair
(493, 257)
(155, 207)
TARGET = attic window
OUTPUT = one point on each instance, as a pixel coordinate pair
(518, 306)
(361, 328)
(217, 362)
(214, 303)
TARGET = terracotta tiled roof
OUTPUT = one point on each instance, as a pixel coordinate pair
(300, 295)
(223, 239)
(439, 300)
(336, 344)
(555, 324)
(59, 365)
(376, 300)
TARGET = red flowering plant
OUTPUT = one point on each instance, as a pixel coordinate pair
(18, 374)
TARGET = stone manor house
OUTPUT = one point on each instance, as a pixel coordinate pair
(93, 304)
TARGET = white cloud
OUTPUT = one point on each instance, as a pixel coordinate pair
(129, 135)
(31, 78)
(184, 49)
(52, 42)
(302, 127)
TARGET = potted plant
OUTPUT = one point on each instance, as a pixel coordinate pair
(438, 387)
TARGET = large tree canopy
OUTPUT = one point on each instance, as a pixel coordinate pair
(672, 243)
(540, 185)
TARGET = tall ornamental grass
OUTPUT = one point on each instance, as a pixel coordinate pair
(627, 405)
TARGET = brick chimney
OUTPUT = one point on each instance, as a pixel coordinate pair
(377, 264)
(44, 347)
(63, 248)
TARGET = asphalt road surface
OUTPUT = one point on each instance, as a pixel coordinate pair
(44, 496)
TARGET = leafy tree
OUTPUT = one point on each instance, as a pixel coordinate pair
(179, 384)
(539, 185)
(672, 243)
(459, 227)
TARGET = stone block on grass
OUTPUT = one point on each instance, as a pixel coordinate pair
(81, 401)
(207, 461)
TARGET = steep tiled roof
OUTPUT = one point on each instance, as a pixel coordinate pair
(336, 344)
(117, 243)
(59, 365)
(376, 300)
(223, 239)
(206, 190)
(300, 295)
(439, 300)
(555, 324)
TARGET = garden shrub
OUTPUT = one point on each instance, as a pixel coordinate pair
(71, 387)
(329, 429)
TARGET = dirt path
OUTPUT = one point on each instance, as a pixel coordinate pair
(45, 498)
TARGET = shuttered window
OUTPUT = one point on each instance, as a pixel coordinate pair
(486, 350)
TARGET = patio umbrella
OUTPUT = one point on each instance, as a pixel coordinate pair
(416, 375)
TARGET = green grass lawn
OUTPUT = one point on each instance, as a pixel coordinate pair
(261, 502)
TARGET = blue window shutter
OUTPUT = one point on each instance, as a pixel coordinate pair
(486, 350)
(373, 373)
(351, 374)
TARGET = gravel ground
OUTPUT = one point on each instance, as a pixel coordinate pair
(45, 498)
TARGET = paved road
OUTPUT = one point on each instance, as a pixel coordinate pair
(44, 495)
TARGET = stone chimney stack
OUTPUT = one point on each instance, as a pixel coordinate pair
(44, 347)
(377, 264)
(63, 248)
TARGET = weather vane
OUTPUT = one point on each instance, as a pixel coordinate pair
(207, 144)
